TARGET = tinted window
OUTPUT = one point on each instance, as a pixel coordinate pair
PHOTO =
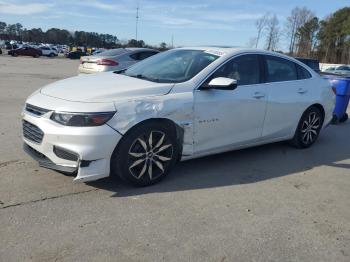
(144, 55)
(343, 68)
(279, 69)
(302, 72)
(245, 69)
(312, 63)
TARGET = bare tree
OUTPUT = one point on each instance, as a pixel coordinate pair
(298, 17)
(273, 33)
(261, 24)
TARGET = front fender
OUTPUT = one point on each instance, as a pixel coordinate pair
(177, 107)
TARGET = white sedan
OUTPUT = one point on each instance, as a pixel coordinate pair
(181, 104)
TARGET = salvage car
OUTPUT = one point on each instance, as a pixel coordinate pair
(114, 59)
(339, 70)
(25, 51)
(178, 105)
(49, 51)
(312, 63)
(76, 54)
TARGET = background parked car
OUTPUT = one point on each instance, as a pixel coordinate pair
(25, 51)
(114, 59)
(48, 51)
(11, 46)
(96, 52)
(76, 54)
(312, 63)
(339, 70)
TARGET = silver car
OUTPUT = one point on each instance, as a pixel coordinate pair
(114, 59)
(340, 70)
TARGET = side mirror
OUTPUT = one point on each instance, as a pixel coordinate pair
(221, 83)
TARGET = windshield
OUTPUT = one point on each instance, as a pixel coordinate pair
(173, 66)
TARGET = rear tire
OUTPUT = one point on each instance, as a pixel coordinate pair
(146, 154)
(36, 56)
(309, 128)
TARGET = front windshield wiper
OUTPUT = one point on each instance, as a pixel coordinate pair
(140, 76)
(120, 71)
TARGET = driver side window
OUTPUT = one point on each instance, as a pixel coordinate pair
(245, 69)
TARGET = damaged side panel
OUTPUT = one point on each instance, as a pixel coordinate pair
(177, 107)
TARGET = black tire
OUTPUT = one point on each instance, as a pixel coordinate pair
(36, 56)
(306, 134)
(51, 55)
(142, 163)
(14, 54)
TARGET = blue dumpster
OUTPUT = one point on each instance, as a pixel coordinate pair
(342, 91)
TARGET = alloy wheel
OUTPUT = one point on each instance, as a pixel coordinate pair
(310, 128)
(150, 155)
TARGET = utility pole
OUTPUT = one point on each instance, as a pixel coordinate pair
(137, 19)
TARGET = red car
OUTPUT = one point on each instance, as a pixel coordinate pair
(25, 51)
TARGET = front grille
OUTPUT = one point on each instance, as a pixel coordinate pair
(36, 110)
(65, 154)
(32, 132)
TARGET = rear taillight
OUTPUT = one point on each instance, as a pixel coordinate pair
(107, 62)
(334, 90)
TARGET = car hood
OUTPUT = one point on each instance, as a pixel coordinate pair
(104, 87)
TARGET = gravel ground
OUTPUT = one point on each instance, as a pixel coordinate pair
(270, 203)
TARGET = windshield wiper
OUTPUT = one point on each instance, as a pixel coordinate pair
(140, 76)
(120, 71)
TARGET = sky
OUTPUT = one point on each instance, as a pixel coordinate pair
(188, 23)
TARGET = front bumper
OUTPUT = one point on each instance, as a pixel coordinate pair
(93, 147)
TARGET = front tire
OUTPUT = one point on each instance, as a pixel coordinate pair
(146, 154)
(309, 128)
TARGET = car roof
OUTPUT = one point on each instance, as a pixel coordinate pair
(229, 51)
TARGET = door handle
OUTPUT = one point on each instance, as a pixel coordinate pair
(258, 95)
(302, 90)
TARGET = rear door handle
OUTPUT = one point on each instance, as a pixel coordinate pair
(302, 90)
(258, 95)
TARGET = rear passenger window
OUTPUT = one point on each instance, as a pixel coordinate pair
(145, 55)
(302, 72)
(142, 55)
(245, 69)
(279, 69)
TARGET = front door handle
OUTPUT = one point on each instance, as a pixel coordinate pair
(302, 90)
(258, 95)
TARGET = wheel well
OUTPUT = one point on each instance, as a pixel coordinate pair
(319, 107)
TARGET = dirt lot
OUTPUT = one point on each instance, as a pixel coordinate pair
(271, 203)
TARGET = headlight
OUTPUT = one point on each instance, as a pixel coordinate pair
(82, 119)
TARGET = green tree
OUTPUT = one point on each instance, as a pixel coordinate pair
(333, 37)
(163, 46)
